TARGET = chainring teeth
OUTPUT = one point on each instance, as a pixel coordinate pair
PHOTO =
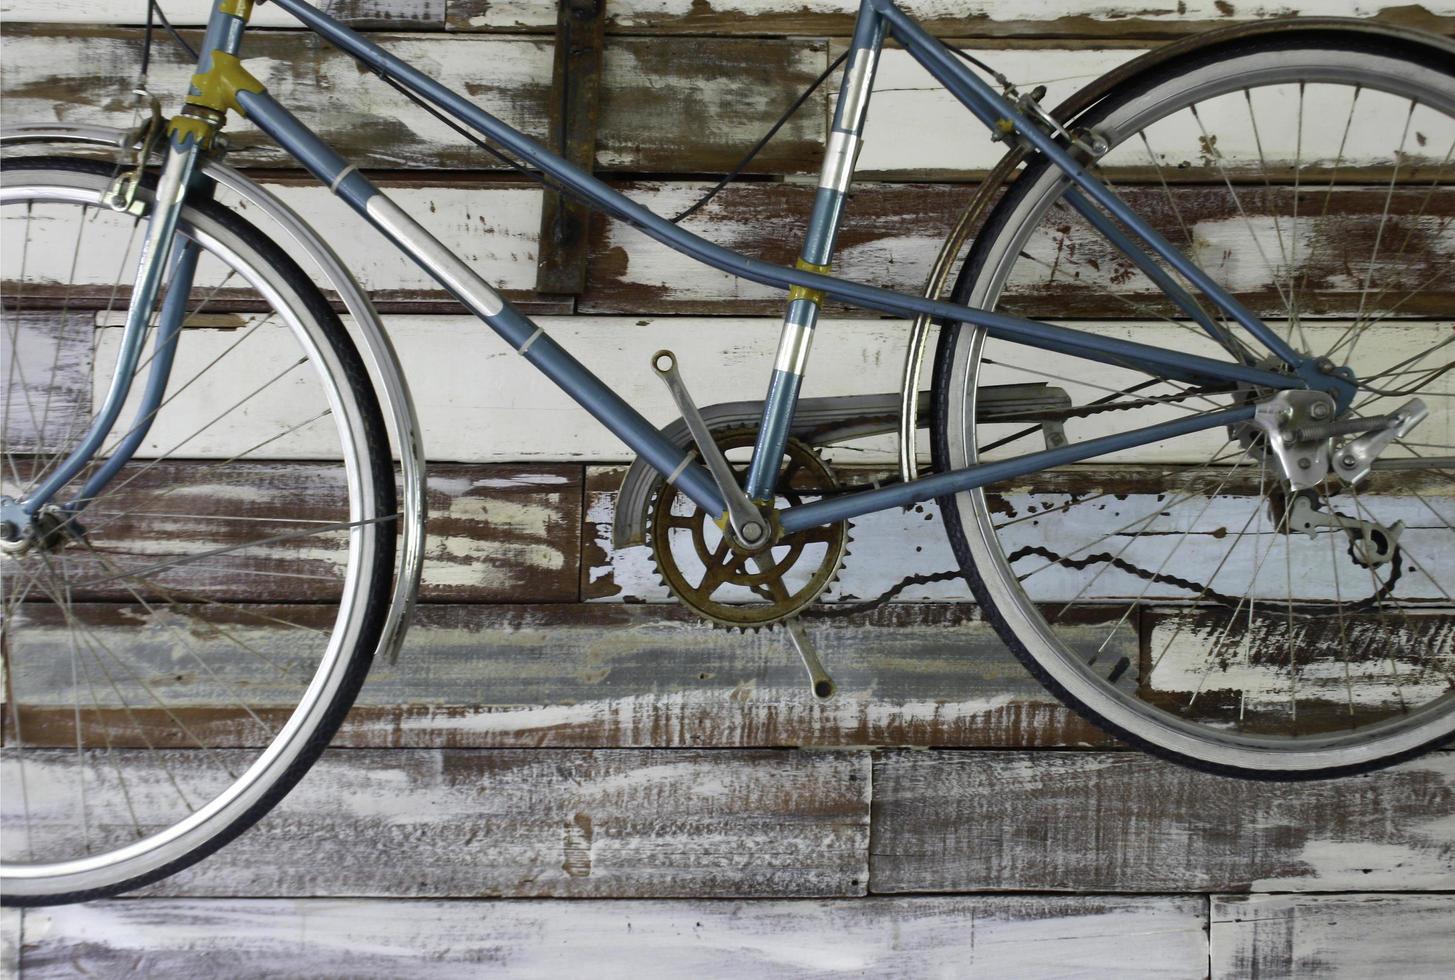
(740, 570)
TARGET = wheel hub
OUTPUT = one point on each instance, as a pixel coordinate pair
(46, 531)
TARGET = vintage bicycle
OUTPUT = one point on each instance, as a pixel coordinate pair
(1245, 566)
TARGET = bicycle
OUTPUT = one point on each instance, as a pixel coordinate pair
(1254, 579)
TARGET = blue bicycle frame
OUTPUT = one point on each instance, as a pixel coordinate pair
(808, 283)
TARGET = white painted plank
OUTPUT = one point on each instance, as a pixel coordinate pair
(10, 927)
(533, 823)
(479, 402)
(493, 229)
(916, 125)
(45, 360)
(1042, 522)
(1020, 936)
(1334, 936)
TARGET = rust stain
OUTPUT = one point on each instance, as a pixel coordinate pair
(576, 847)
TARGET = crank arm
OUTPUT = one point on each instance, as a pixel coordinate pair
(747, 524)
(819, 681)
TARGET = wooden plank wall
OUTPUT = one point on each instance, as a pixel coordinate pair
(555, 730)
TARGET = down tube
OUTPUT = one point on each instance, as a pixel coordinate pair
(525, 337)
(831, 509)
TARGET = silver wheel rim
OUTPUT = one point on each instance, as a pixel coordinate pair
(185, 837)
(1433, 721)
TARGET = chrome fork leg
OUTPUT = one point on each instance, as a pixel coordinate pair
(182, 151)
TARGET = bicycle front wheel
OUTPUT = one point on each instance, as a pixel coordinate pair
(181, 644)
(1182, 595)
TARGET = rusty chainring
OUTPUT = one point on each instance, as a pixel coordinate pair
(701, 567)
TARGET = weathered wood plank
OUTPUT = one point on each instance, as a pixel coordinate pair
(891, 237)
(393, 15)
(892, 234)
(1337, 665)
(1355, 936)
(10, 927)
(1127, 822)
(537, 823)
(667, 105)
(689, 105)
(556, 676)
(979, 18)
(1022, 936)
(45, 359)
(496, 533)
(482, 404)
(499, 532)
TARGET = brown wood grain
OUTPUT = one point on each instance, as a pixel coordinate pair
(892, 233)
(393, 15)
(1200, 666)
(891, 236)
(539, 823)
(674, 105)
(1114, 822)
(999, 19)
(495, 533)
(523, 676)
(895, 939)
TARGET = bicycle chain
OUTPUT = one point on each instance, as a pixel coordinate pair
(1202, 591)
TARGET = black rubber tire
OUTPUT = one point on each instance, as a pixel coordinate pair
(380, 465)
(995, 224)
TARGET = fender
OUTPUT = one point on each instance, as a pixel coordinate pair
(368, 333)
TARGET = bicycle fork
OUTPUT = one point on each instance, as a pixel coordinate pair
(158, 258)
(162, 260)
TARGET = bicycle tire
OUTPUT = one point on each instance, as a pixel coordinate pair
(981, 282)
(338, 681)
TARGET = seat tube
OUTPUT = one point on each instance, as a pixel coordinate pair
(802, 313)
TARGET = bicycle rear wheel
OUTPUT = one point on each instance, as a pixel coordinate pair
(178, 651)
(1181, 595)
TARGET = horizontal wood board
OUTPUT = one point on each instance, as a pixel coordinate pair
(1000, 19)
(1330, 935)
(893, 938)
(1125, 822)
(421, 823)
(528, 676)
